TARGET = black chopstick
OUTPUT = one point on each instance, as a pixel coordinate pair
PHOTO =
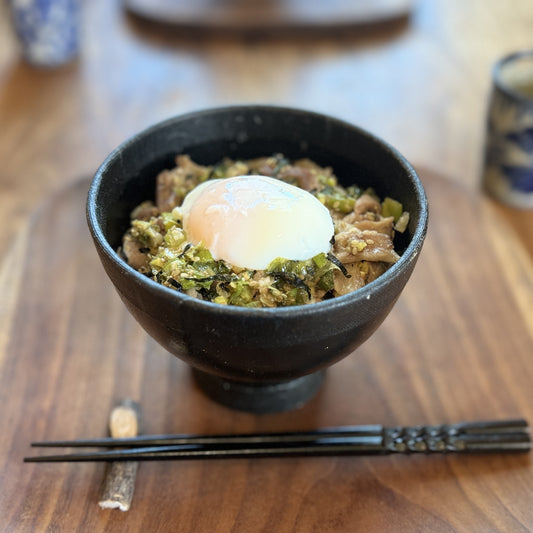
(474, 437)
(244, 438)
(465, 428)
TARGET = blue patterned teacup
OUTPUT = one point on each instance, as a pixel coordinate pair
(48, 30)
(508, 170)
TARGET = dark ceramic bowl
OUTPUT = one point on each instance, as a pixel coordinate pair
(258, 360)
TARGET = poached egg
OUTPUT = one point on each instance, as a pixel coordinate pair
(250, 220)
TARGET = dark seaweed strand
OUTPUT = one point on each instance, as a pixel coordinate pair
(226, 278)
(185, 250)
(292, 279)
(224, 285)
(175, 283)
(206, 293)
(211, 174)
(338, 264)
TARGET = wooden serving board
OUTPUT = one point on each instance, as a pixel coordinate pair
(270, 16)
(457, 346)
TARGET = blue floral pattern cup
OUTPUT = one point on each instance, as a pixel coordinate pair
(48, 30)
(508, 169)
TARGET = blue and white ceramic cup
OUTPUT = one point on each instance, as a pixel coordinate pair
(48, 30)
(508, 169)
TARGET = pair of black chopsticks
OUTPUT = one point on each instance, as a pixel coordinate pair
(469, 437)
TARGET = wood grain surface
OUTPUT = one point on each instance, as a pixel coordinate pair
(457, 346)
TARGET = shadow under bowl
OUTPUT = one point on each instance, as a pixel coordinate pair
(257, 360)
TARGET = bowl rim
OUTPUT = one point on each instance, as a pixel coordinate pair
(364, 293)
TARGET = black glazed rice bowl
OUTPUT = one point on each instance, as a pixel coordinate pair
(259, 360)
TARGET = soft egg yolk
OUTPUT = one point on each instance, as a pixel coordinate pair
(249, 221)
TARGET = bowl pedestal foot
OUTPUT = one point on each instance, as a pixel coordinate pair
(260, 398)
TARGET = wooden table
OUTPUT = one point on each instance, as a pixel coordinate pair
(457, 346)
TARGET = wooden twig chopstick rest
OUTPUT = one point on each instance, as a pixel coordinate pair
(119, 484)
